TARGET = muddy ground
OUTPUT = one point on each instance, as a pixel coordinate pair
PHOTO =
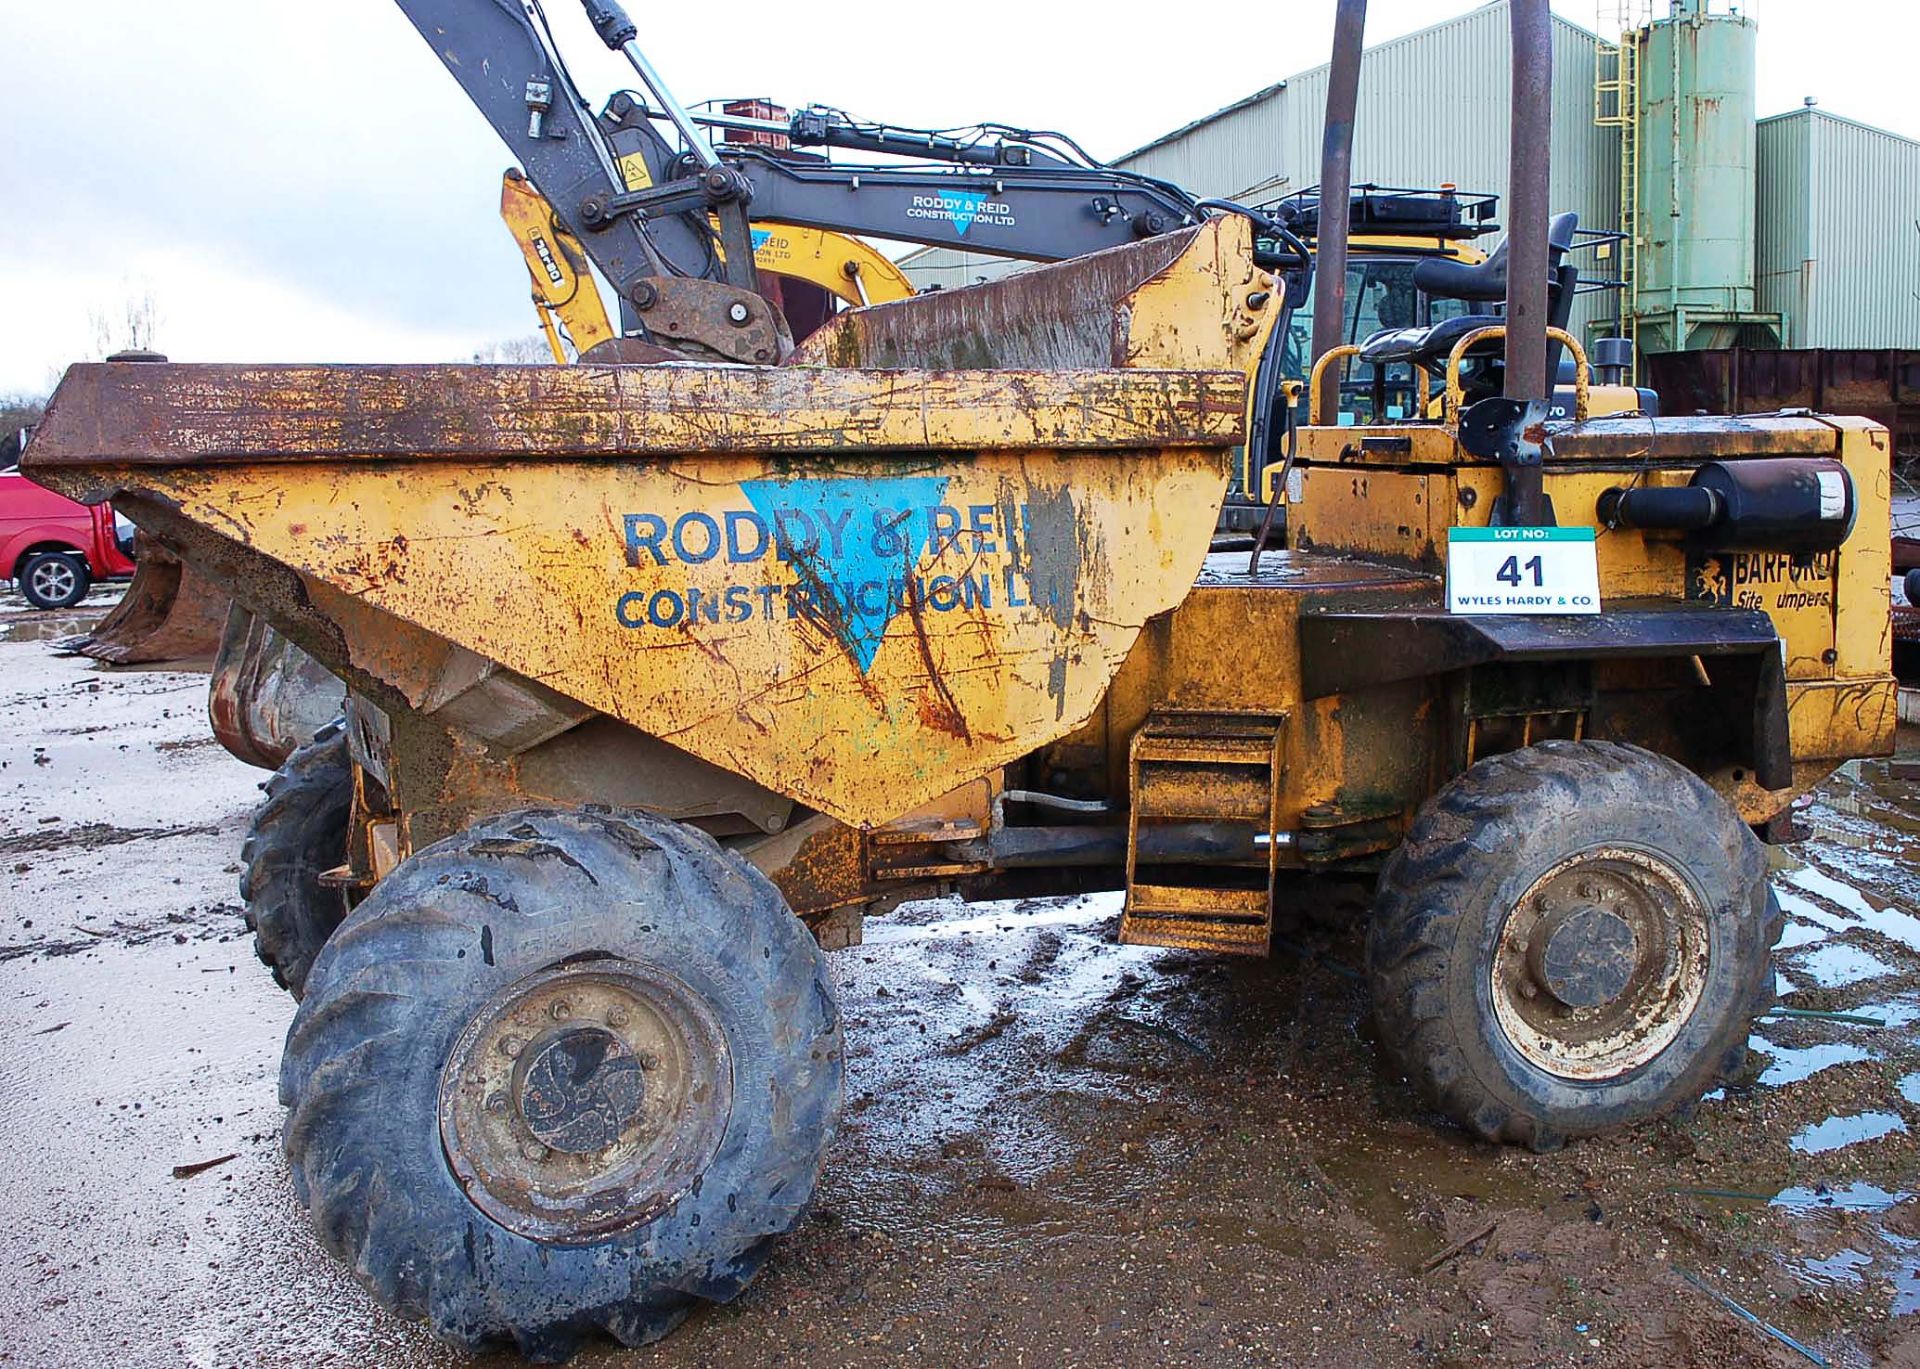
(1056, 1151)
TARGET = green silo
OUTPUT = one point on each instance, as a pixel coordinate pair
(1695, 149)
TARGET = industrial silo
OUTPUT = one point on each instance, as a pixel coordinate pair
(1694, 144)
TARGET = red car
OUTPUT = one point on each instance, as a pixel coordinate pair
(51, 547)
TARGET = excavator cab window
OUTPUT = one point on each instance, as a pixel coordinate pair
(1381, 294)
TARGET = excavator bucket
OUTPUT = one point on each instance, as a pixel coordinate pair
(267, 696)
(170, 612)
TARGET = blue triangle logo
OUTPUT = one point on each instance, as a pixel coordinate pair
(964, 209)
(760, 236)
(856, 542)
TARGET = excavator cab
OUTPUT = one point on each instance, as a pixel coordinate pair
(1394, 233)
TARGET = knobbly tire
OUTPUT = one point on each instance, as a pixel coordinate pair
(1573, 937)
(559, 1073)
(298, 834)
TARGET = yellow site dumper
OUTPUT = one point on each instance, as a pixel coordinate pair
(662, 677)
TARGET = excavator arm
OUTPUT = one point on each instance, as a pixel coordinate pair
(564, 294)
(668, 222)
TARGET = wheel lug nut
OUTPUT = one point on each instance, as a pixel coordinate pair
(533, 1150)
(648, 1060)
(511, 1047)
(617, 1017)
(1527, 990)
(497, 1104)
(562, 1009)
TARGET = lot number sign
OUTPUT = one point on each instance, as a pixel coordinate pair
(1522, 570)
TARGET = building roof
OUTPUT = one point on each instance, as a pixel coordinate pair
(1264, 93)
(1268, 92)
(1816, 112)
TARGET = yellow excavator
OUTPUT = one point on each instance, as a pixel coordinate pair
(813, 269)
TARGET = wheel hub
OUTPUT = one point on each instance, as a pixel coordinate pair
(1584, 956)
(1600, 963)
(585, 1099)
(580, 1090)
(53, 578)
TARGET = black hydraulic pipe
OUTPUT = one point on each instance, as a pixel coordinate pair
(1336, 191)
(1173, 843)
(1014, 848)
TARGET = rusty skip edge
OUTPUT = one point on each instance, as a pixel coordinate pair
(181, 414)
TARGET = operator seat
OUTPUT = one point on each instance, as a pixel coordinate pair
(1443, 278)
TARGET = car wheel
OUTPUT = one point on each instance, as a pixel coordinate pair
(54, 579)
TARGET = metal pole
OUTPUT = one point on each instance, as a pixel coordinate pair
(1527, 195)
(690, 133)
(1336, 193)
(619, 32)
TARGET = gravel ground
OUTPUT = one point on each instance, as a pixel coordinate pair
(1056, 1151)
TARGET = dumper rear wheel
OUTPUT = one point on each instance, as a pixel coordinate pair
(298, 834)
(565, 1071)
(1573, 937)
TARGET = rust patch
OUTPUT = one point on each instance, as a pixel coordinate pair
(826, 872)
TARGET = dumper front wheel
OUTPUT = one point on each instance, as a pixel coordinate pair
(1573, 937)
(565, 1071)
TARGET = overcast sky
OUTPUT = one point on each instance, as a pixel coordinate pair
(305, 182)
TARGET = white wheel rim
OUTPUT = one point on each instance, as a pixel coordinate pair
(54, 579)
(1661, 990)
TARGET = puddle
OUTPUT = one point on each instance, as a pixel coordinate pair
(1835, 1132)
(1905, 1275)
(1836, 964)
(1000, 921)
(1800, 934)
(1889, 921)
(1910, 1088)
(49, 627)
(1855, 1197)
(1874, 1254)
(1895, 1012)
(1852, 1268)
(1845, 1266)
(1791, 1065)
(1806, 910)
(1817, 881)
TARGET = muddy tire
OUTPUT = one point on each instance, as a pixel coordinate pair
(54, 579)
(298, 834)
(1574, 937)
(562, 1072)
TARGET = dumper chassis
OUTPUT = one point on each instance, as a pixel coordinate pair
(662, 678)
